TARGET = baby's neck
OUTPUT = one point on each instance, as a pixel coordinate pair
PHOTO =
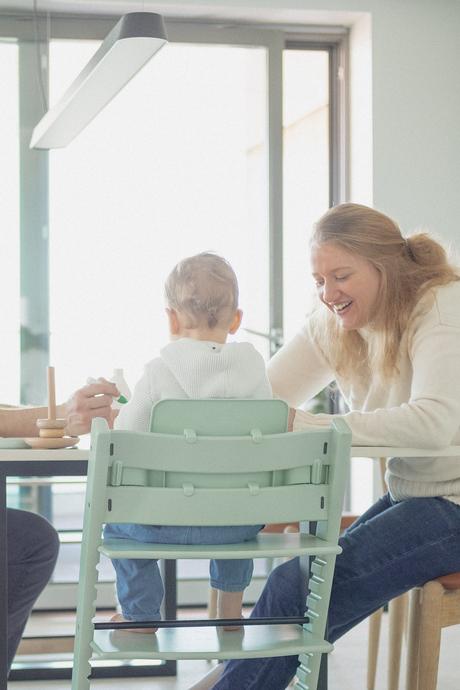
(215, 335)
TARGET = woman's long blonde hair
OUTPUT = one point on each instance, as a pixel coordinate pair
(408, 268)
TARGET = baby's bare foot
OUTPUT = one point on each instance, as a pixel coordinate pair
(118, 618)
(233, 628)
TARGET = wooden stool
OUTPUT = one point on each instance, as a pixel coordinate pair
(434, 606)
(397, 611)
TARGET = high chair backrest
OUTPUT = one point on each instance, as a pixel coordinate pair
(219, 417)
(191, 479)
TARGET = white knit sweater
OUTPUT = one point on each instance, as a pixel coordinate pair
(188, 368)
(420, 408)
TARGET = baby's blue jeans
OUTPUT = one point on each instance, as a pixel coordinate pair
(390, 549)
(139, 585)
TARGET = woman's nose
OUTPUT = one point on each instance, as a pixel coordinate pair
(330, 292)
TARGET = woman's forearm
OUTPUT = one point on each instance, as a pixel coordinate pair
(21, 421)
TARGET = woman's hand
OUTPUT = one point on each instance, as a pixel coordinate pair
(93, 400)
(291, 417)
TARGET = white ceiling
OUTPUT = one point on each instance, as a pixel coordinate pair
(203, 11)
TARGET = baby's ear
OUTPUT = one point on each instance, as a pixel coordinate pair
(173, 321)
(236, 322)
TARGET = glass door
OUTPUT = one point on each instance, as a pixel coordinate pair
(175, 165)
(221, 143)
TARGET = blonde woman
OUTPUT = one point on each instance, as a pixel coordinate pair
(387, 329)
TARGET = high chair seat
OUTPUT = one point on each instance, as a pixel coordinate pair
(264, 546)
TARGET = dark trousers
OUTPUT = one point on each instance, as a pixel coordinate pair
(33, 547)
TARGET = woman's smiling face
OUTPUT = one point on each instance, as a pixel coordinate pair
(347, 284)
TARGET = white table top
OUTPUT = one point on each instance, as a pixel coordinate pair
(67, 454)
(55, 455)
(392, 452)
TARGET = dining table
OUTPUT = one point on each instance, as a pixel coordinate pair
(23, 462)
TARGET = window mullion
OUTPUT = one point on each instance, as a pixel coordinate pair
(33, 226)
(275, 187)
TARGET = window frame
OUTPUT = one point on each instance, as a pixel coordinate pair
(33, 35)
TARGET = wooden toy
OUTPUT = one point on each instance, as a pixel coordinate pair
(51, 430)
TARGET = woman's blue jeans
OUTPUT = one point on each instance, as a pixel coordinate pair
(139, 585)
(390, 549)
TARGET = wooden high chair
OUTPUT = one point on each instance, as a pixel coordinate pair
(241, 474)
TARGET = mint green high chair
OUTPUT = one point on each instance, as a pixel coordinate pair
(214, 462)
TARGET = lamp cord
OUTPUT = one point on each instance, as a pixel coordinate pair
(41, 86)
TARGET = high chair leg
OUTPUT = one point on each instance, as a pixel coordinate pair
(84, 627)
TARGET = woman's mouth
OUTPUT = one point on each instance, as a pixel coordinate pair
(342, 308)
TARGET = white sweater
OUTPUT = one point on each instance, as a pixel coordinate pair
(188, 368)
(419, 408)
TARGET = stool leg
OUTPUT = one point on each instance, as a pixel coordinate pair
(375, 621)
(430, 635)
(397, 613)
(413, 642)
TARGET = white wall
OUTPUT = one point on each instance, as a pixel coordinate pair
(416, 113)
(410, 164)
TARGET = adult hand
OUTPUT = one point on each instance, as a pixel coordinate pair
(291, 417)
(93, 400)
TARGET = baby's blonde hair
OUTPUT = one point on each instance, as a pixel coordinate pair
(204, 289)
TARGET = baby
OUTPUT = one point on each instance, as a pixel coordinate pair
(202, 310)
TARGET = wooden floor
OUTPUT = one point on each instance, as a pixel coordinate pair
(347, 666)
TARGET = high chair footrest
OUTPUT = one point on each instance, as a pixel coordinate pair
(207, 643)
(200, 623)
(264, 546)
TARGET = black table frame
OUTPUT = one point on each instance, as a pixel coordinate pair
(63, 468)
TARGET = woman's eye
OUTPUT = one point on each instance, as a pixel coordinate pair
(319, 283)
(340, 278)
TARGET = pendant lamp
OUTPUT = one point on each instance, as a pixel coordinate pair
(131, 43)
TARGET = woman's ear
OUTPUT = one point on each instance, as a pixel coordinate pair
(173, 321)
(236, 322)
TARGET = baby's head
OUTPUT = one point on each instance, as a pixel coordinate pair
(202, 298)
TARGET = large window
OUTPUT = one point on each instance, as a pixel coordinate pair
(176, 164)
(306, 176)
(222, 142)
